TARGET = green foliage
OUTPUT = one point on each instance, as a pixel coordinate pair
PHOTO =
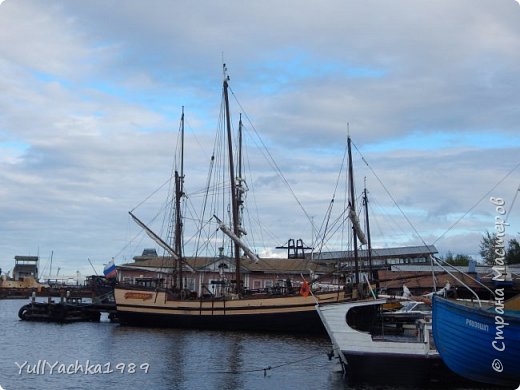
(487, 247)
(488, 244)
(513, 252)
(459, 259)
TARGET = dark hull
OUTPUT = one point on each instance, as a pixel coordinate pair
(58, 312)
(416, 371)
(298, 322)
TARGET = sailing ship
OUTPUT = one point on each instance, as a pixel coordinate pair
(239, 310)
(369, 336)
(479, 341)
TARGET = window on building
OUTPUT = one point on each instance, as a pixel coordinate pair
(189, 283)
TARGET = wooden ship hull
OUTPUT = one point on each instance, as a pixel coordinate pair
(288, 314)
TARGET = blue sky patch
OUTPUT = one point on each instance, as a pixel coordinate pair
(445, 140)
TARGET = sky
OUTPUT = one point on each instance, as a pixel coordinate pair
(92, 94)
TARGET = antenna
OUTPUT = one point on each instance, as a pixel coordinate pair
(224, 71)
(50, 269)
(92, 265)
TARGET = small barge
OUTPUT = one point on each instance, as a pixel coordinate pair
(66, 311)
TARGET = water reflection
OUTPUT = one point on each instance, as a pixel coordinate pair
(178, 359)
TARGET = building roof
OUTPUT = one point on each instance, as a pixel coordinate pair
(284, 265)
(26, 258)
(274, 265)
(269, 265)
(377, 253)
(393, 279)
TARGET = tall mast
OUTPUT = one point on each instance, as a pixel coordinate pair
(182, 149)
(234, 200)
(179, 193)
(352, 206)
(240, 147)
(178, 227)
(240, 185)
(365, 203)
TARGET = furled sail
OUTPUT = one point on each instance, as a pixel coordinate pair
(355, 222)
(228, 232)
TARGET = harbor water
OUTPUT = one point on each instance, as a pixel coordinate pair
(105, 355)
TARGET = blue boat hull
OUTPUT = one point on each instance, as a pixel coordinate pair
(477, 344)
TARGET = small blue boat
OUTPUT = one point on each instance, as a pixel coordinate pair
(479, 343)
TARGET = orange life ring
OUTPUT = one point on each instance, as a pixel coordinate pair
(305, 289)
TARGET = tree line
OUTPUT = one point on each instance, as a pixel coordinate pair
(489, 246)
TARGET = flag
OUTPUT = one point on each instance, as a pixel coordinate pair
(110, 270)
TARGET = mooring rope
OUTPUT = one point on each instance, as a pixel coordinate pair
(264, 369)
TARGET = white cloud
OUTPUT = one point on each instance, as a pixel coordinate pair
(91, 98)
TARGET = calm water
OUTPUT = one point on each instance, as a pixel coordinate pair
(173, 359)
(109, 356)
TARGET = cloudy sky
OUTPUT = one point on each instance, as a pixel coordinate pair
(91, 95)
